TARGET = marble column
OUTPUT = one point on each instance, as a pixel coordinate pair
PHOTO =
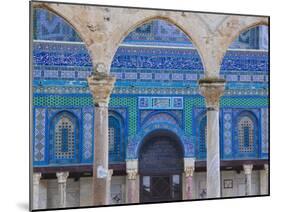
(133, 188)
(36, 190)
(212, 89)
(101, 86)
(264, 180)
(62, 178)
(109, 175)
(188, 173)
(248, 178)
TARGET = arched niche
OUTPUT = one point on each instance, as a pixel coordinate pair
(156, 52)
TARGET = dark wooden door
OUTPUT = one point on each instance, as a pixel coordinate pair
(160, 188)
(160, 167)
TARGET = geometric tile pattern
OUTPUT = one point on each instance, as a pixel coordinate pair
(264, 126)
(227, 133)
(88, 133)
(39, 134)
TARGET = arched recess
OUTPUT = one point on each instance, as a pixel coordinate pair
(64, 138)
(161, 116)
(116, 134)
(200, 130)
(62, 14)
(232, 27)
(176, 63)
(183, 25)
(54, 58)
(246, 135)
(135, 143)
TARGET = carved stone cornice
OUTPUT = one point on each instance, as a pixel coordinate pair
(189, 171)
(62, 177)
(248, 168)
(212, 90)
(132, 174)
(101, 86)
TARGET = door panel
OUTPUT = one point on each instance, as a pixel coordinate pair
(160, 188)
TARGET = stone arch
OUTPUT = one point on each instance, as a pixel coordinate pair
(171, 117)
(233, 26)
(135, 143)
(187, 28)
(62, 13)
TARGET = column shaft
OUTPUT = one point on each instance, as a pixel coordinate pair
(101, 86)
(100, 185)
(62, 178)
(132, 176)
(212, 89)
(110, 172)
(264, 180)
(213, 154)
(189, 164)
(36, 190)
(132, 187)
(248, 179)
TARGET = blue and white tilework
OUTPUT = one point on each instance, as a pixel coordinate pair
(39, 134)
(264, 125)
(88, 133)
(227, 133)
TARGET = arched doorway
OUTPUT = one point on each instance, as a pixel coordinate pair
(160, 167)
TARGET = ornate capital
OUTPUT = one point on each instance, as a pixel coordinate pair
(132, 174)
(101, 86)
(132, 169)
(248, 168)
(212, 90)
(189, 171)
(62, 176)
(36, 178)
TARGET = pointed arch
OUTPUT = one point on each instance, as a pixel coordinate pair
(246, 135)
(182, 24)
(64, 139)
(116, 137)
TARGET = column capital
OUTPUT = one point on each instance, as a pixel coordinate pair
(189, 166)
(212, 89)
(132, 169)
(248, 168)
(101, 86)
(189, 171)
(132, 174)
(62, 176)
(36, 178)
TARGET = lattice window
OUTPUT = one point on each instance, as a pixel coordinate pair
(115, 139)
(111, 138)
(246, 134)
(64, 139)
